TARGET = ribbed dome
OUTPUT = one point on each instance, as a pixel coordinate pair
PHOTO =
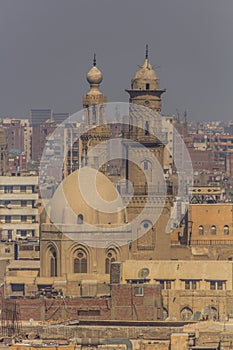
(94, 76)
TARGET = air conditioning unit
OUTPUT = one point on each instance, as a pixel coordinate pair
(144, 272)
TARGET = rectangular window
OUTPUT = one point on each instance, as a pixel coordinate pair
(26, 247)
(190, 284)
(8, 189)
(220, 285)
(194, 284)
(147, 86)
(17, 287)
(138, 291)
(24, 218)
(212, 285)
(162, 284)
(7, 219)
(165, 284)
(22, 188)
(88, 312)
(23, 233)
(23, 203)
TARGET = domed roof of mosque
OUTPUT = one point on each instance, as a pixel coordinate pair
(86, 196)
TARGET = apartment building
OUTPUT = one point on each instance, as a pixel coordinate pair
(18, 207)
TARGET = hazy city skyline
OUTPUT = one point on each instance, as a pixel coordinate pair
(47, 47)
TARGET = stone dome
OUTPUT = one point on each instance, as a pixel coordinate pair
(86, 196)
(146, 71)
(145, 75)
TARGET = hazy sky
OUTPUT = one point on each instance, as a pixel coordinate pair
(47, 47)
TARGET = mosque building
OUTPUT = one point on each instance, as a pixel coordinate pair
(71, 230)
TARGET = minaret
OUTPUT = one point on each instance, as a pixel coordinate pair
(94, 100)
(145, 88)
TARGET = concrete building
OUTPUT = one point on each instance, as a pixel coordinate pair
(18, 211)
(18, 135)
(190, 289)
(3, 152)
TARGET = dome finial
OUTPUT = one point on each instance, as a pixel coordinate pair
(94, 60)
(147, 50)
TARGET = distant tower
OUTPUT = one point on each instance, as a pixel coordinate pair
(145, 88)
(94, 100)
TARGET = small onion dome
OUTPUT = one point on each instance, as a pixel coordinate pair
(94, 76)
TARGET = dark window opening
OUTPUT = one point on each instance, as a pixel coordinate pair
(80, 219)
(80, 262)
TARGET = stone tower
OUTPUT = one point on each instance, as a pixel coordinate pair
(145, 171)
(94, 100)
(145, 89)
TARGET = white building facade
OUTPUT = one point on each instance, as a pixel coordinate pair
(19, 217)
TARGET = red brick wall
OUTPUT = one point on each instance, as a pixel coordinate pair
(122, 305)
(126, 306)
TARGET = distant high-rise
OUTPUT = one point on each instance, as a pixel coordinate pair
(43, 122)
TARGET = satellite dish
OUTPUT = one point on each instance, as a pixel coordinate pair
(144, 272)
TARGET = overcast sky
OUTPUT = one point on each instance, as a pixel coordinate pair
(47, 46)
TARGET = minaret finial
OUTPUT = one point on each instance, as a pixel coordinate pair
(147, 51)
(94, 60)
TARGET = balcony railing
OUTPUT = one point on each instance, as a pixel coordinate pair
(212, 242)
(204, 242)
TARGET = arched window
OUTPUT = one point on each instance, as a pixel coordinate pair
(213, 313)
(145, 165)
(226, 230)
(186, 314)
(80, 219)
(80, 261)
(213, 230)
(110, 257)
(53, 262)
(147, 128)
(201, 230)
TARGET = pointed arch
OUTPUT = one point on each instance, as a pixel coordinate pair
(186, 313)
(111, 255)
(79, 259)
(52, 260)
